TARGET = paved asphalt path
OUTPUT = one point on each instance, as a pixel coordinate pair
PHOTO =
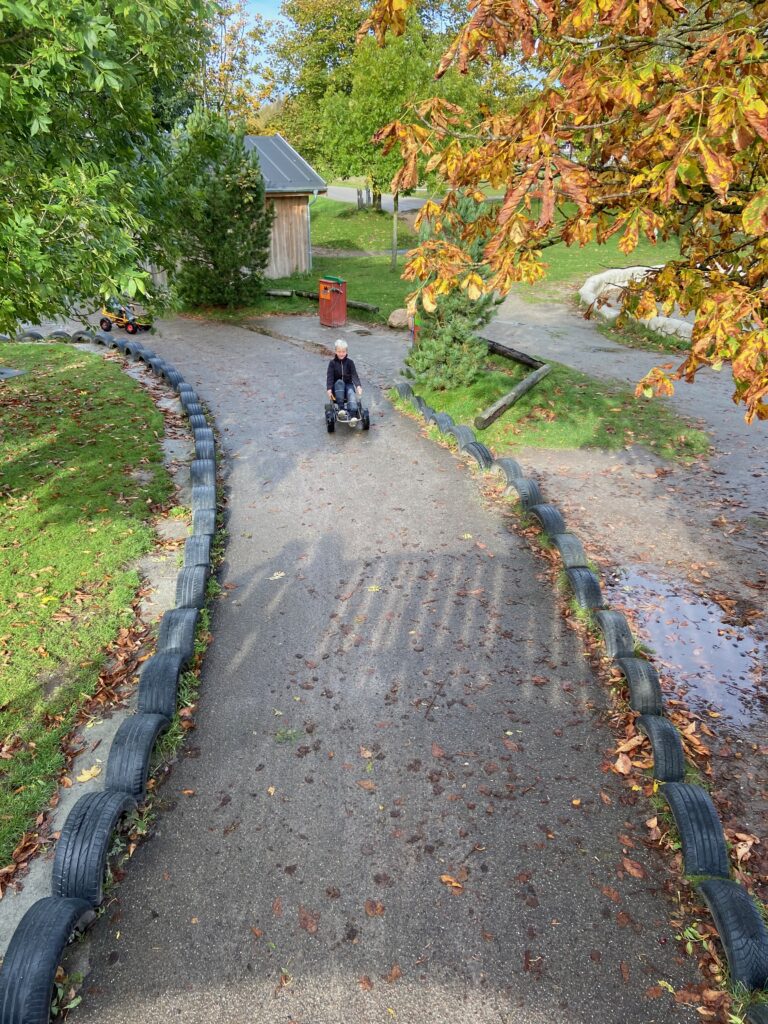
(391, 695)
(343, 194)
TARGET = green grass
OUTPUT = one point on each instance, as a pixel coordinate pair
(342, 226)
(369, 279)
(81, 467)
(634, 334)
(568, 409)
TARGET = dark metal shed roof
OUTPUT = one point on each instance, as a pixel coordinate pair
(283, 169)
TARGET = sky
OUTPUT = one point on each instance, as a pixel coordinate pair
(266, 8)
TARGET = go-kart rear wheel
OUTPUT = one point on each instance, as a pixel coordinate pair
(330, 417)
(131, 327)
(104, 324)
(366, 420)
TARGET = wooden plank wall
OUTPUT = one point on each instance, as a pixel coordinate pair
(290, 236)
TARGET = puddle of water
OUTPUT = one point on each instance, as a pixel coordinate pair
(718, 665)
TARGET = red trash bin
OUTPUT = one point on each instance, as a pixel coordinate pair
(333, 302)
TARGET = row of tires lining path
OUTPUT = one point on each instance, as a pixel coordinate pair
(738, 921)
(35, 950)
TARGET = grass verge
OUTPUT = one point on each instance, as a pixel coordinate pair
(634, 334)
(82, 470)
(338, 225)
(568, 409)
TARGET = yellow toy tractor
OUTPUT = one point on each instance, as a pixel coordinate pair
(123, 315)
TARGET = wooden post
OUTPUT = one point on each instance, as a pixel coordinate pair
(492, 413)
(395, 208)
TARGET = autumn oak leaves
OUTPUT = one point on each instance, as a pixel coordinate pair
(642, 117)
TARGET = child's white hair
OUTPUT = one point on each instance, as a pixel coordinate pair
(340, 343)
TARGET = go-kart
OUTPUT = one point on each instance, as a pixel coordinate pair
(123, 315)
(334, 414)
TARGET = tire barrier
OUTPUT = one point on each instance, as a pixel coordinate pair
(550, 517)
(526, 491)
(668, 754)
(429, 414)
(704, 849)
(131, 753)
(34, 953)
(82, 848)
(571, 550)
(443, 421)
(203, 473)
(29, 336)
(586, 588)
(645, 694)
(83, 336)
(478, 451)
(59, 336)
(757, 1014)
(159, 684)
(177, 633)
(418, 403)
(28, 971)
(404, 390)
(742, 932)
(738, 921)
(617, 636)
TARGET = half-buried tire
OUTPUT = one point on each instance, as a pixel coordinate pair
(617, 636)
(586, 588)
(204, 522)
(197, 421)
(34, 953)
(203, 497)
(463, 435)
(526, 491)
(204, 433)
(159, 684)
(404, 390)
(177, 633)
(668, 755)
(131, 753)
(477, 451)
(704, 850)
(742, 932)
(550, 517)
(81, 852)
(443, 421)
(642, 679)
(197, 551)
(205, 450)
(203, 471)
(190, 587)
(571, 550)
(509, 468)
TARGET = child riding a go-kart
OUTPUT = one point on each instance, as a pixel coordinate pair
(123, 315)
(344, 391)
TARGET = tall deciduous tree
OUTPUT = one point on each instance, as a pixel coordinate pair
(234, 81)
(82, 85)
(651, 117)
(221, 224)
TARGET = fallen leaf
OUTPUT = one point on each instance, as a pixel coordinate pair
(271, 790)
(454, 883)
(257, 932)
(374, 908)
(654, 992)
(277, 906)
(367, 785)
(394, 974)
(194, 920)
(89, 773)
(365, 752)
(605, 798)
(277, 575)
(188, 792)
(365, 983)
(633, 868)
(611, 894)
(308, 920)
(623, 765)
(437, 751)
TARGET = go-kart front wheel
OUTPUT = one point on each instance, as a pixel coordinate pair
(131, 327)
(104, 324)
(366, 420)
(330, 418)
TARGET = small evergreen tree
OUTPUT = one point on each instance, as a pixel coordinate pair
(221, 222)
(448, 353)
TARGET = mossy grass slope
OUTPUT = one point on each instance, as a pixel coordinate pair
(82, 468)
(342, 226)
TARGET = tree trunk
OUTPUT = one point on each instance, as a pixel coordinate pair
(377, 200)
(395, 208)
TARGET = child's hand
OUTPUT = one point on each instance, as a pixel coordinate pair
(359, 392)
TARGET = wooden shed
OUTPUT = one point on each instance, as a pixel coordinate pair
(290, 183)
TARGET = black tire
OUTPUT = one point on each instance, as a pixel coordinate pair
(83, 336)
(59, 336)
(477, 451)
(586, 587)
(644, 687)
(131, 753)
(145, 354)
(120, 344)
(526, 491)
(443, 422)
(81, 852)
(571, 551)
(550, 517)
(204, 433)
(203, 471)
(105, 325)
(701, 833)
(174, 378)
(509, 468)
(418, 403)
(204, 522)
(131, 328)
(30, 336)
(177, 633)
(757, 1014)
(463, 435)
(134, 350)
(203, 496)
(366, 420)
(156, 365)
(404, 390)
(617, 636)
(193, 409)
(197, 420)
(188, 397)
(197, 551)
(668, 755)
(330, 424)
(159, 681)
(429, 414)
(743, 935)
(190, 587)
(33, 954)
(205, 451)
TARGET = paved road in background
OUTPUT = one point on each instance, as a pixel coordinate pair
(349, 195)
(392, 700)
